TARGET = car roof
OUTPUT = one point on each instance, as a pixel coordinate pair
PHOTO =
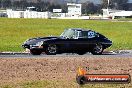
(79, 29)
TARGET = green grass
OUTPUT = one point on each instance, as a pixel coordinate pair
(29, 84)
(61, 84)
(125, 19)
(13, 32)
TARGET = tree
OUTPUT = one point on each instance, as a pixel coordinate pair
(105, 3)
(23, 4)
(121, 4)
(15, 4)
(5, 3)
(115, 4)
(90, 8)
(64, 8)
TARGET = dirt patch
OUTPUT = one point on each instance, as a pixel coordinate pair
(60, 68)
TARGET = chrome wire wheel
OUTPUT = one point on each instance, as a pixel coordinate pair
(51, 49)
(98, 49)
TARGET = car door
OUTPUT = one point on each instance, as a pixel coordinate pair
(86, 41)
(72, 44)
(67, 44)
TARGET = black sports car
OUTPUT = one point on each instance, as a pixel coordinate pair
(72, 40)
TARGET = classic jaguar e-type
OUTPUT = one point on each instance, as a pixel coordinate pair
(72, 40)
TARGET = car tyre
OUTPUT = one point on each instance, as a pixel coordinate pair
(51, 49)
(97, 49)
(35, 52)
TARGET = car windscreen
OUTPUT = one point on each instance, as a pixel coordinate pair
(68, 34)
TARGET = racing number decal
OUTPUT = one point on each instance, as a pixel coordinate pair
(91, 34)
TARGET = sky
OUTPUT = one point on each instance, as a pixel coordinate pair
(130, 1)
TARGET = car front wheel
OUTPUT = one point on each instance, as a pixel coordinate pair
(51, 49)
(97, 49)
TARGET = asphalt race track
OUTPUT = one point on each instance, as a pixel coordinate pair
(107, 55)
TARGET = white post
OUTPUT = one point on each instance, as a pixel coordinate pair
(108, 7)
(108, 2)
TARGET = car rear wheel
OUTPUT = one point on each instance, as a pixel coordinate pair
(51, 49)
(97, 50)
(35, 52)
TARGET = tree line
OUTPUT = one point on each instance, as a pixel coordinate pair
(87, 7)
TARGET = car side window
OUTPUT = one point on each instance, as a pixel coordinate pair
(84, 34)
(88, 34)
(77, 34)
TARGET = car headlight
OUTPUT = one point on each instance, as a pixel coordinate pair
(39, 43)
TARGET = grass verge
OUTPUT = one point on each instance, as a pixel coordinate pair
(13, 32)
(62, 84)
